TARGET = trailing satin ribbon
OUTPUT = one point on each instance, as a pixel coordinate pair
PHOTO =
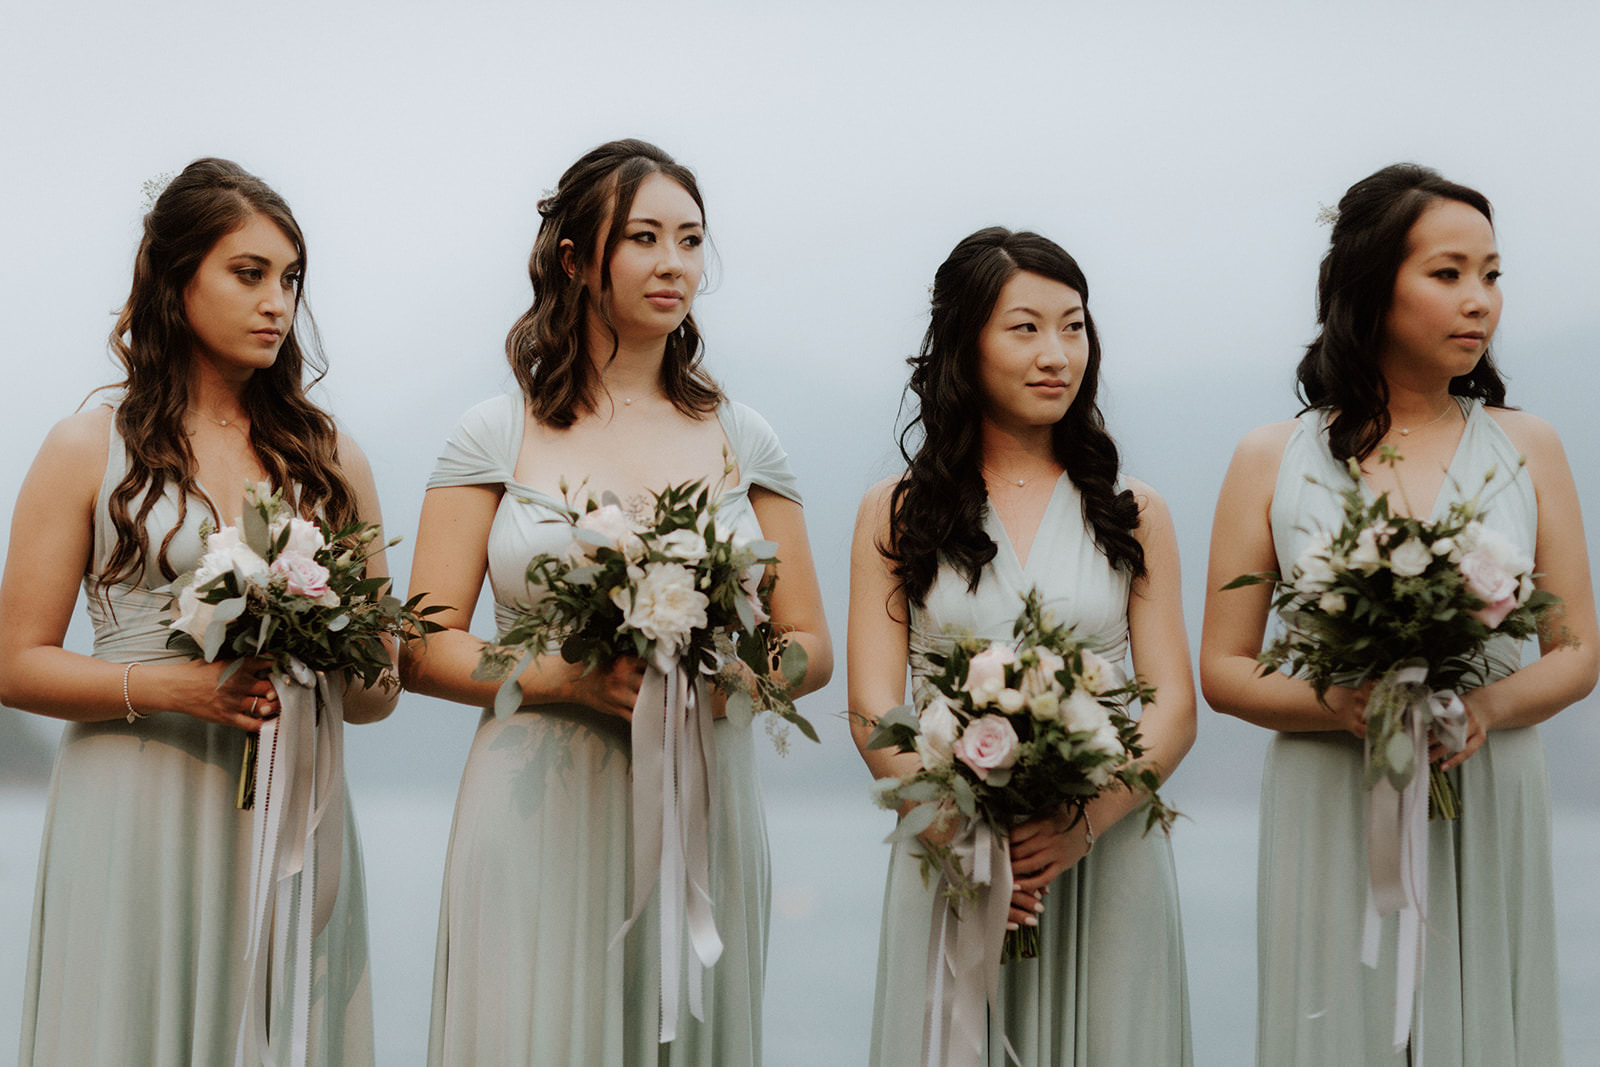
(298, 830)
(1397, 838)
(964, 949)
(674, 785)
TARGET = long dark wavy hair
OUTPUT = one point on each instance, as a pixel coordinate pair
(936, 510)
(548, 347)
(1355, 289)
(295, 440)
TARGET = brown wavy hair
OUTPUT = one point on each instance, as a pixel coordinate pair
(296, 441)
(547, 347)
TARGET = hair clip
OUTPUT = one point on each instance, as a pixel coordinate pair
(154, 187)
(1328, 216)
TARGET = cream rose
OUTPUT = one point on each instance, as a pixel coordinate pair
(192, 615)
(304, 576)
(683, 544)
(665, 606)
(1081, 712)
(305, 538)
(937, 730)
(611, 523)
(1410, 559)
(986, 674)
(1488, 581)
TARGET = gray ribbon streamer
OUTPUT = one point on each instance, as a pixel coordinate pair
(674, 788)
(964, 946)
(298, 829)
(1397, 840)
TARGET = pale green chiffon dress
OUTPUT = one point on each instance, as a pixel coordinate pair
(540, 863)
(1489, 995)
(141, 916)
(1108, 988)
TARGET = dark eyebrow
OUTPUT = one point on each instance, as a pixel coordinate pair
(1076, 309)
(657, 224)
(1462, 257)
(261, 261)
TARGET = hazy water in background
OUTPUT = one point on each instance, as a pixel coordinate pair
(828, 869)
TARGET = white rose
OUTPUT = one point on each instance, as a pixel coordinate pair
(1444, 546)
(611, 523)
(986, 674)
(683, 544)
(1332, 603)
(305, 538)
(1081, 713)
(665, 607)
(192, 615)
(1313, 571)
(1011, 701)
(1098, 674)
(1041, 677)
(1410, 559)
(1045, 706)
(1366, 557)
(937, 730)
(1499, 549)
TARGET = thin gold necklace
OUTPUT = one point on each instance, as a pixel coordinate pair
(1405, 431)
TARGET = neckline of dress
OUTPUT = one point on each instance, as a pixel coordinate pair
(1470, 413)
(553, 501)
(1004, 540)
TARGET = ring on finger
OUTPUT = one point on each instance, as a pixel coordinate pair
(253, 702)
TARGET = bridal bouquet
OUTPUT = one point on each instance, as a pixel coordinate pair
(669, 588)
(1410, 604)
(691, 598)
(282, 588)
(1011, 731)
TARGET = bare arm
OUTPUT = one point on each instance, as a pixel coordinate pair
(449, 564)
(1236, 620)
(879, 637)
(796, 599)
(1565, 671)
(51, 541)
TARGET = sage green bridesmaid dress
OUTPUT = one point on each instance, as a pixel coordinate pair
(1108, 988)
(540, 862)
(141, 916)
(1489, 993)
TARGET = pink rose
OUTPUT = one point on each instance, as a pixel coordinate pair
(1488, 581)
(988, 744)
(302, 575)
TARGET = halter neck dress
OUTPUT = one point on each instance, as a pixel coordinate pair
(1489, 993)
(141, 915)
(1108, 988)
(537, 881)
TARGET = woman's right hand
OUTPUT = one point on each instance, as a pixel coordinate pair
(612, 689)
(1348, 708)
(243, 699)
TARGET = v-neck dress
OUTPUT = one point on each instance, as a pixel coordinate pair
(1108, 988)
(141, 917)
(1489, 995)
(538, 877)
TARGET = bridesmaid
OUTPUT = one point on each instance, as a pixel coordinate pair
(1408, 300)
(141, 918)
(537, 882)
(1013, 484)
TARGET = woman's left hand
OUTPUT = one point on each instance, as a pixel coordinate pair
(1476, 735)
(1041, 849)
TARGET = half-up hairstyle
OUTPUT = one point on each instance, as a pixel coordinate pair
(294, 439)
(1355, 289)
(548, 346)
(936, 510)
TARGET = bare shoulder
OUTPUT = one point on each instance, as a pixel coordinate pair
(79, 444)
(352, 460)
(1144, 493)
(1263, 446)
(1533, 436)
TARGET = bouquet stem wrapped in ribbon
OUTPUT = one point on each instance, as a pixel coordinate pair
(1410, 606)
(1006, 732)
(282, 588)
(692, 600)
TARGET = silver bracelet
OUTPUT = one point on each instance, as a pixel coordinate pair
(127, 701)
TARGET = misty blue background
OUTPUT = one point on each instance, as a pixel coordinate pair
(1181, 152)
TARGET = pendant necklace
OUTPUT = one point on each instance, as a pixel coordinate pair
(1405, 431)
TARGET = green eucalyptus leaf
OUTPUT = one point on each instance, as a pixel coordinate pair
(740, 707)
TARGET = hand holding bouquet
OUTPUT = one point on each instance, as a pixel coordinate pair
(672, 589)
(282, 588)
(1399, 601)
(1010, 732)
